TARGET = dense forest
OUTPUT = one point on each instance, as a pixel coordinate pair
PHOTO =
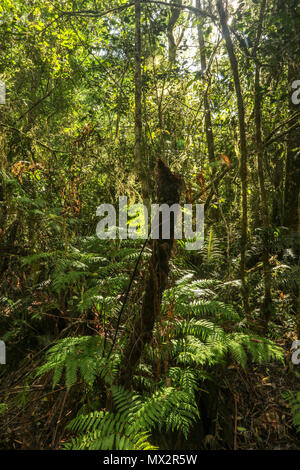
(139, 342)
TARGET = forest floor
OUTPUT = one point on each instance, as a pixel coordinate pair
(261, 419)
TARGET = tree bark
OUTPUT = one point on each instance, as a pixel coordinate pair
(291, 214)
(206, 103)
(169, 187)
(292, 173)
(243, 152)
(175, 13)
(138, 117)
(266, 307)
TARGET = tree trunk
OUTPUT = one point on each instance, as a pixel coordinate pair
(168, 191)
(292, 173)
(291, 215)
(175, 13)
(243, 152)
(266, 307)
(207, 111)
(291, 212)
(138, 122)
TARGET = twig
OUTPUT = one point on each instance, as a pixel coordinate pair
(126, 296)
(236, 399)
(59, 417)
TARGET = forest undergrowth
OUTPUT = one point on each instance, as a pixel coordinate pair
(134, 344)
(207, 380)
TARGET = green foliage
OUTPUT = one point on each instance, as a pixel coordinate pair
(67, 145)
(102, 430)
(294, 403)
(195, 344)
(3, 408)
(83, 354)
(200, 337)
(129, 427)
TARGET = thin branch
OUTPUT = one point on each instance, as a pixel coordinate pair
(99, 14)
(214, 184)
(32, 138)
(270, 136)
(126, 296)
(279, 136)
(36, 103)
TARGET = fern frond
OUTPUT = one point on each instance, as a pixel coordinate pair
(83, 354)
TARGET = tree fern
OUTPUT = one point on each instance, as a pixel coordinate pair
(129, 427)
(82, 355)
(102, 430)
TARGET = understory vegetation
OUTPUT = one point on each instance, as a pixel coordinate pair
(133, 344)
